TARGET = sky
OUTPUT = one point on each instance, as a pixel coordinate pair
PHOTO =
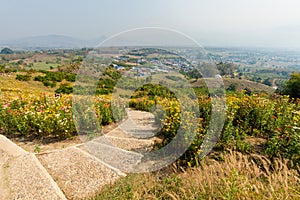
(257, 23)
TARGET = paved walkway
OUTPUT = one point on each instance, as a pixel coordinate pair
(79, 171)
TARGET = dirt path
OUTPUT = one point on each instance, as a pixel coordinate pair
(274, 85)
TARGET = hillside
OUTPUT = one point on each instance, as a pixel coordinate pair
(253, 86)
(240, 85)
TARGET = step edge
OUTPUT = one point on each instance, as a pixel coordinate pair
(57, 189)
(119, 172)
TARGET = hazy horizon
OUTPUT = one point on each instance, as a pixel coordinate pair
(232, 23)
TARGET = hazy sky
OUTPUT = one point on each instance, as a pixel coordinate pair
(210, 22)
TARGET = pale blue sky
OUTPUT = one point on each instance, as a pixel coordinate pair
(210, 22)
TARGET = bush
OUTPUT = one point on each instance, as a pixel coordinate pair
(104, 110)
(20, 77)
(232, 87)
(51, 84)
(292, 86)
(48, 116)
(39, 78)
(55, 76)
(51, 76)
(277, 121)
(64, 89)
(40, 116)
(6, 51)
(71, 77)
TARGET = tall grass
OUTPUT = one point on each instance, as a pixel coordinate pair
(238, 176)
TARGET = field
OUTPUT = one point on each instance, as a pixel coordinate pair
(44, 66)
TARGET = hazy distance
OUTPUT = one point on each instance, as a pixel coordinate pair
(231, 23)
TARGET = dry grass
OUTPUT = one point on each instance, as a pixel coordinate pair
(243, 177)
(13, 86)
(236, 177)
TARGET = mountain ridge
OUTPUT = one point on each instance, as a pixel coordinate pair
(51, 41)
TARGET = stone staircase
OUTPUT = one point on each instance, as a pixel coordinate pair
(76, 172)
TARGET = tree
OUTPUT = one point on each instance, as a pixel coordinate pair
(292, 86)
(6, 51)
(232, 87)
(226, 69)
(247, 91)
(268, 82)
(149, 79)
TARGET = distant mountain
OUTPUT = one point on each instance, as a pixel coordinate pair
(51, 42)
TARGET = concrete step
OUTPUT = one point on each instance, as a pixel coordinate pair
(139, 124)
(129, 144)
(78, 174)
(23, 177)
(126, 161)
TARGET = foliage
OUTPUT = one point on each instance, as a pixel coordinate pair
(51, 76)
(277, 121)
(39, 116)
(153, 90)
(226, 68)
(194, 73)
(292, 86)
(44, 115)
(104, 110)
(51, 79)
(112, 73)
(70, 77)
(6, 51)
(21, 77)
(49, 84)
(232, 87)
(64, 89)
(108, 81)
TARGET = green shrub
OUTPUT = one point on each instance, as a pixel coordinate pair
(292, 86)
(70, 77)
(39, 78)
(64, 89)
(50, 76)
(51, 84)
(20, 77)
